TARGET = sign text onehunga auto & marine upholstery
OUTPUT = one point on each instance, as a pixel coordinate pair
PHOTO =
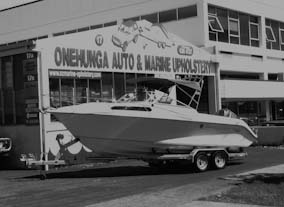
(97, 59)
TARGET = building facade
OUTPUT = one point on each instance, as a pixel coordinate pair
(245, 38)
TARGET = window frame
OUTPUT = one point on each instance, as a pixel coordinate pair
(255, 24)
(218, 22)
(281, 38)
(186, 9)
(271, 30)
(229, 29)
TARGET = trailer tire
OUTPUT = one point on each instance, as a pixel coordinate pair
(201, 162)
(219, 160)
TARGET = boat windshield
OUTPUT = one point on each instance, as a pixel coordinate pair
(144, 95)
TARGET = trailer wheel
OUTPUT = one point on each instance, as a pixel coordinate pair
(201, 162)
(219, 160)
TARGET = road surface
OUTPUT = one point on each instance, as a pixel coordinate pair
(123, 183)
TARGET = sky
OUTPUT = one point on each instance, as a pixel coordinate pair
(11, 3)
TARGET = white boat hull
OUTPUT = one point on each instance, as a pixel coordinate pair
(140, 134)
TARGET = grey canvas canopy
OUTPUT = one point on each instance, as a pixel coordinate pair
(164, 83)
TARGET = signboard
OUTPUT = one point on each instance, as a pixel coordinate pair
(31, 88)
(74, 74)
(136, 47)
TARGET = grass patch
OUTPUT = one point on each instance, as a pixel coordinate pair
(265, 190)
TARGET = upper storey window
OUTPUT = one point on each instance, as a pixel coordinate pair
(269, 34)
(233, 27)
(274, 34)
(215, 24)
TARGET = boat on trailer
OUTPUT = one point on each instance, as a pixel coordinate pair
(151, 124)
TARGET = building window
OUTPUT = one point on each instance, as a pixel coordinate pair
(119, 85)
(81, 86)
(67, 93)
(132, 19)
(281, 34)
(274, 34)
(94, 90)
(110, 24)
(54, 92)
(215, 24)
(254, 34)
(233, 27)
(269, 34)
(153, 18)
(96, 26)
(18, 89)
(167, 16)
(187, 12)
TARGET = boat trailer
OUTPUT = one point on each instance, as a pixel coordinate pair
(31, 160)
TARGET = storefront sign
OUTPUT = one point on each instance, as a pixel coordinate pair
(97, 59)
(135, 47)
(32, 111)
(74, 74)
(31, 88)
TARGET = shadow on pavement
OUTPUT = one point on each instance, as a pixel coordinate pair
(115, 172)
(119, 171)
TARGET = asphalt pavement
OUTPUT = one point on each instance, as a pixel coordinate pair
(125, 183)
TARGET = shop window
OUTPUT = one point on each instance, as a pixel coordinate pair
(19, 78)
(119, 85)
(8, 90)
(153, 18)
(187, 12)
(107, 86)
(1, 106)
(81, 91)
(272, 76)
(278, 110)
(9, 106)
(54, 92)
(130, 85)
(167, 16)
(67, 92)
(94, 90)
(248, 111)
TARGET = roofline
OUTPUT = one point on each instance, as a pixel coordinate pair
(20, 5)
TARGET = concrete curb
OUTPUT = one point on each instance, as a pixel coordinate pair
(216, 204)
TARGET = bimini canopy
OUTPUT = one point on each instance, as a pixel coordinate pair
(163, 84)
